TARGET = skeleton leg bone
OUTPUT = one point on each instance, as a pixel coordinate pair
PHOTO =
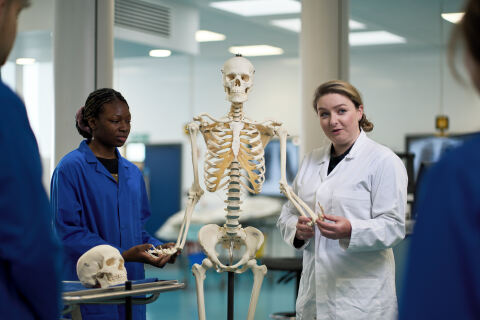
(258, 275)
(199, 273)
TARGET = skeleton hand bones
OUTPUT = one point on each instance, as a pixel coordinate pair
(139, 253)
(299, 204)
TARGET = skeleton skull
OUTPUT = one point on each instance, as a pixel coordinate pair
(102, 266)
(237, 73)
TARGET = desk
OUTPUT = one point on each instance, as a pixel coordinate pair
(75, 294)
(292, 265)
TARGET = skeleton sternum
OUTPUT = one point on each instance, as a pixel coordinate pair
(233, 200)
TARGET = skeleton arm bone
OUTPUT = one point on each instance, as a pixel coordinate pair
(195, 192)
(265, 123)
(284, 187)
(199, 118)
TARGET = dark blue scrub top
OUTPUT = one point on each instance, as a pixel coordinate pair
(29, 253)
(443, 268)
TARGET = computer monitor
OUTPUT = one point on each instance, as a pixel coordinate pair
(271, 186)
(428, 148)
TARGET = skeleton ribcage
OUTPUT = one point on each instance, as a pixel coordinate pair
(221, 144)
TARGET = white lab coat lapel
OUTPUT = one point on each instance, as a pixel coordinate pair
(337, 176)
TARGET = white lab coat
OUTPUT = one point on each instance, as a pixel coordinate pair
(350, 279)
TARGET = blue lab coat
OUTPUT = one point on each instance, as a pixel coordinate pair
(443, 269)
(90, 208)
(29, 261)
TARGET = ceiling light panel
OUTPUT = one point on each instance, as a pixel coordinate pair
(24, 61)
(258, 7)
(453, 17)
(369, 38)
(296, 24)
(289, 24)
(355, 25)
(160, 53)
(207, 36)
(253, 51)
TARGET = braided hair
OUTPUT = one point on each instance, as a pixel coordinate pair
(93, 107)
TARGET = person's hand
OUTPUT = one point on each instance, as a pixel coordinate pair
(339, 229)
(304, 230)
(139, 253)
(168, 245)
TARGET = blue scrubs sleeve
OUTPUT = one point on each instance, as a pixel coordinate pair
(67, 212)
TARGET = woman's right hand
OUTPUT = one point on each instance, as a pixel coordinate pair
(305, 229)
(139, 253)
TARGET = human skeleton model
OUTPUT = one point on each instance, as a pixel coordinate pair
(235, 160)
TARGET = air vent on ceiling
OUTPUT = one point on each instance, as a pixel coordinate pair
(143, 16)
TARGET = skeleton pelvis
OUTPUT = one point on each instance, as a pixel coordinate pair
(227, 252)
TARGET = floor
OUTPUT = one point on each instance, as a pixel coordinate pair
(182, 304)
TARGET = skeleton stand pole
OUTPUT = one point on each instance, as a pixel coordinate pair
(231, 287)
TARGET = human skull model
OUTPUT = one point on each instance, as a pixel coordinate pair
(102, 266)
(237, 73)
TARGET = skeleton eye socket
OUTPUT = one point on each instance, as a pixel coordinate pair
(230, 76)
(245, 77)
(110, 261)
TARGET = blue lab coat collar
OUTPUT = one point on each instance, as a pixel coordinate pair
(92, 159)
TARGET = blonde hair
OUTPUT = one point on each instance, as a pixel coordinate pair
(347, 90)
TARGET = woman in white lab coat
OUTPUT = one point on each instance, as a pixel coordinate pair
(348, 264)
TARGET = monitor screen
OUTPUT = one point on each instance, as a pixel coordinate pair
(428, 149)
(271, 186)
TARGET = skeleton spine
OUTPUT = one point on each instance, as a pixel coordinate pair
(233, 193)
(236, 111)
(233, 200)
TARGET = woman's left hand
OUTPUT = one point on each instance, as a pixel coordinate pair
(339, 229)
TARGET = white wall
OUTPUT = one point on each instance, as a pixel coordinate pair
(402, 95)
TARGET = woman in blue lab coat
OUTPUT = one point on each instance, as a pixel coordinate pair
(98, 197)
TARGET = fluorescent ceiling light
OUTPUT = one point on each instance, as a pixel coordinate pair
(453, 17)
(368, 38)
(206, 36)
(296, 24)
(160, 53)
(251, 8)
(355, 25)
(260, 50)
(23, 61)
(289, 24)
